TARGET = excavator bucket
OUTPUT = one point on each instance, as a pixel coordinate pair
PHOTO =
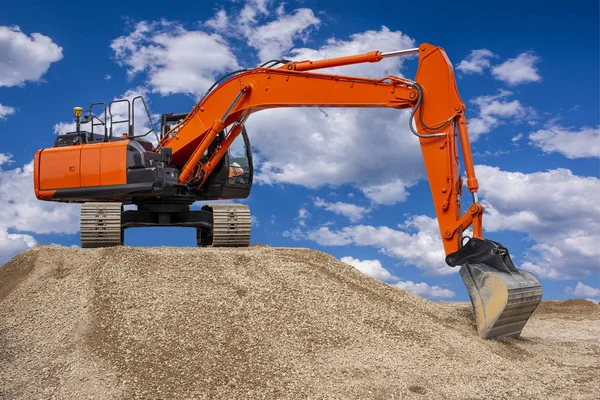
(503, 297)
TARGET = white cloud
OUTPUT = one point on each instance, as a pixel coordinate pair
(416, 243)
(583, 290)
(495, 110)
(254, 221)
(220, 22)
(175, 60)
(424, 290)
(107, 77)
(5, 159)
(351, 211)
(272, 35)
(275, 38)
(476, 62)
(21, 212)
(372, 268)
(335, 147)
(5, 111)
(252, 9)
(565, 242)
(25, 58)
(12, 244)
(387, 193)
(303, 215)
(516, 138)
(570, 143)
(518, 70)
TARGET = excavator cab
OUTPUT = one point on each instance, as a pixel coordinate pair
(232, 178)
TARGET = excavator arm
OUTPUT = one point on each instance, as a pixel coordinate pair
(503, 297)
(433, 97)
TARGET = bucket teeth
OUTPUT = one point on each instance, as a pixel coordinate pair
(502, 301)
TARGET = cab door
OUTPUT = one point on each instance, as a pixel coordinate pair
(232, 177)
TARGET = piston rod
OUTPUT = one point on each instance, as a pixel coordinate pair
(399, 53)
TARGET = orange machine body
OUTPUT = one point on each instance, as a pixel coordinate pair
(89, 165)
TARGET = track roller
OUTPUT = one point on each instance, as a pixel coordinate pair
(231, 226)
(101, 225)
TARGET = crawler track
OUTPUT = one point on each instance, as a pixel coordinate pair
(101, 225)
(231, 226)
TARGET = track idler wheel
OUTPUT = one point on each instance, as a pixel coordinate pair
(503, 297)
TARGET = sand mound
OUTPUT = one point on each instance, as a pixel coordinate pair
(261, 322)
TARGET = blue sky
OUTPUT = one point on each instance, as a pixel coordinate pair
(529, 76)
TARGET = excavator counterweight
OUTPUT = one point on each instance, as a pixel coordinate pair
(204, 155)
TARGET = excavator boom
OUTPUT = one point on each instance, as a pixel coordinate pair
(194, 149)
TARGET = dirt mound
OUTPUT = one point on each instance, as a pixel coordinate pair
(570, 309)
(260, 322)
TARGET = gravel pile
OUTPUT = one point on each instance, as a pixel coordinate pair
(261, 322)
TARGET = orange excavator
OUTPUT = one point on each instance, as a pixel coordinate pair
(205, 155)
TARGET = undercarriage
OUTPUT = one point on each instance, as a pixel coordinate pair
(219, 225)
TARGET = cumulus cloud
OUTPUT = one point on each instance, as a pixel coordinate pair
(271, 35)
(416, 242)
(565, 243)
(495, 110)
(516, 138)
(5, 111)
(581, 143)
(21, 213)
(175, 60)
(275, 38)
(25, 58)
(476, 62)
(12, 244)
(309, 148)
(387, 193)
(585, 291)
(351, 211)
(521, 69)
(303, 215)
(424, 290)
(252, 9)
(374, 269)
(220, 22)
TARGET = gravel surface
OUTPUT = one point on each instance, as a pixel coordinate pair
(262, 322)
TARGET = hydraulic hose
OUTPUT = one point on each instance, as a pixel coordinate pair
(419, 107)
